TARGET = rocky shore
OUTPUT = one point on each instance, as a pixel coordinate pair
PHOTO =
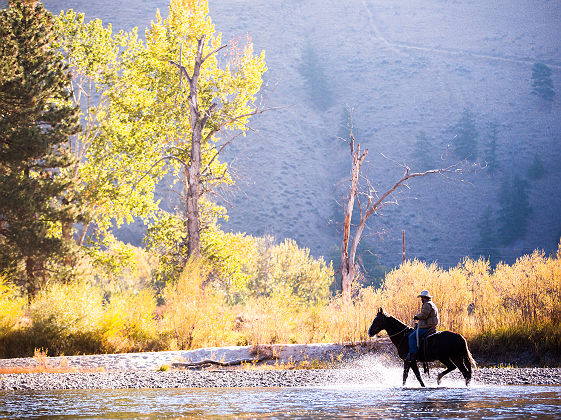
(367, 365)
(260, 378)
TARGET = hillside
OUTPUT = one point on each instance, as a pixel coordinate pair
(404, 67)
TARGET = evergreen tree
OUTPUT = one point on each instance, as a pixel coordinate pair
(422, 151)
(536, 170)
(515, 209)
(487, 246)
(317, 82)
(542, 85)
(491, 150)
(465, 136)
(36, 119)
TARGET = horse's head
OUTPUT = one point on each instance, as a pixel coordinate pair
(378, 324)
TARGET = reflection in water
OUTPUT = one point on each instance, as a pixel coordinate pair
(361, 401)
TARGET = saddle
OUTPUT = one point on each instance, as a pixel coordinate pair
(425, 355)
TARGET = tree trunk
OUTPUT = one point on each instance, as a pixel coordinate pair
(193, 194)
(348, 274)
(348, 268)
(31, 281)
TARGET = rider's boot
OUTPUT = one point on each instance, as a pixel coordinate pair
(411, 357)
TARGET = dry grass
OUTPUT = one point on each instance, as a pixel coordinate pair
(513, 306)
(43, 364)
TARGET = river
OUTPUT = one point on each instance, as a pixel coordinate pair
(341, 401)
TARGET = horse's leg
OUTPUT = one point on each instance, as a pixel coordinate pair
(459, 361)
(449, 368)
(417, 373)
(406, 366)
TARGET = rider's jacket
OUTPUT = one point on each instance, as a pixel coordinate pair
(428, 317)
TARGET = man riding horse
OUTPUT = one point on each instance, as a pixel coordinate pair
(428, 320)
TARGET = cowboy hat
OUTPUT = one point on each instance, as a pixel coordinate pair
(425, 294)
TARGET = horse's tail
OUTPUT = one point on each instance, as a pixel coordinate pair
(469, 361)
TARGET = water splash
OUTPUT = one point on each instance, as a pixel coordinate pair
(383, 371)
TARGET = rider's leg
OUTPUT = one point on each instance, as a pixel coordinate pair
(412, 346)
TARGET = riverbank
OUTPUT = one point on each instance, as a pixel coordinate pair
(372, 363)
(234, 378)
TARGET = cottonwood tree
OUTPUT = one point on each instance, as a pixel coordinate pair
(113, 148)
(36, 119)
(369, 201)
(199, 87)
(141, 119)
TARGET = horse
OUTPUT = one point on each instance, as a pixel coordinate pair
(449, 348)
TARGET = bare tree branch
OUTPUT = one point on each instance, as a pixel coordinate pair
(349, 267)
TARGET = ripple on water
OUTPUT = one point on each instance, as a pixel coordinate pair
(344, 400)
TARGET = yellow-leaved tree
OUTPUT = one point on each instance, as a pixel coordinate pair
(198, 88)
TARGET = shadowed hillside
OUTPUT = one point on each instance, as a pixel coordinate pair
(404, 68)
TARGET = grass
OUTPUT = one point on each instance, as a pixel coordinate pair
(44, 364)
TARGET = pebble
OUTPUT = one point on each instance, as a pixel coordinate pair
(140, 370)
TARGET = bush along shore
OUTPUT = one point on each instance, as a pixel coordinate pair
(510, 314)
(371, 363)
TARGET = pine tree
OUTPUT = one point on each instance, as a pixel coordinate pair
(422, 151)
(542, 85)
(36, 120)
(536, 170)
(491, 150)
(515, 209)
(465, 136)
(487, 246)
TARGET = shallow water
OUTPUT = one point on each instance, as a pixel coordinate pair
(498, 402)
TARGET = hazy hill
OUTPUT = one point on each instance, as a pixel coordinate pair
(404, 67)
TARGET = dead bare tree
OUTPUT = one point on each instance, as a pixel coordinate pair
(374, 202)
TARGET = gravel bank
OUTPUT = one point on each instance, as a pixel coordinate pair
(265, 378)
(259, 378)
(361, 365)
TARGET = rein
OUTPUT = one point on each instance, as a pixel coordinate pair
(397, 333)
(393, 335)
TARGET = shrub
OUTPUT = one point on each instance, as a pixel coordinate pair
(128, 323)
(11, 306)
(196, 314)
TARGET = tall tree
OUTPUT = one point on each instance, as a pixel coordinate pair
(196, 92)
(113, 148)
(36, 119)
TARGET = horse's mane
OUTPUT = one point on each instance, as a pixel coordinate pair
(397, 322)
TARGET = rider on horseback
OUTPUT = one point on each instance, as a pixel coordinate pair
(428, 320)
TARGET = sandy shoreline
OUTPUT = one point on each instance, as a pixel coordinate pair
(368, 364)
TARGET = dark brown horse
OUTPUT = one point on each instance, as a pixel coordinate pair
(449, 348)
